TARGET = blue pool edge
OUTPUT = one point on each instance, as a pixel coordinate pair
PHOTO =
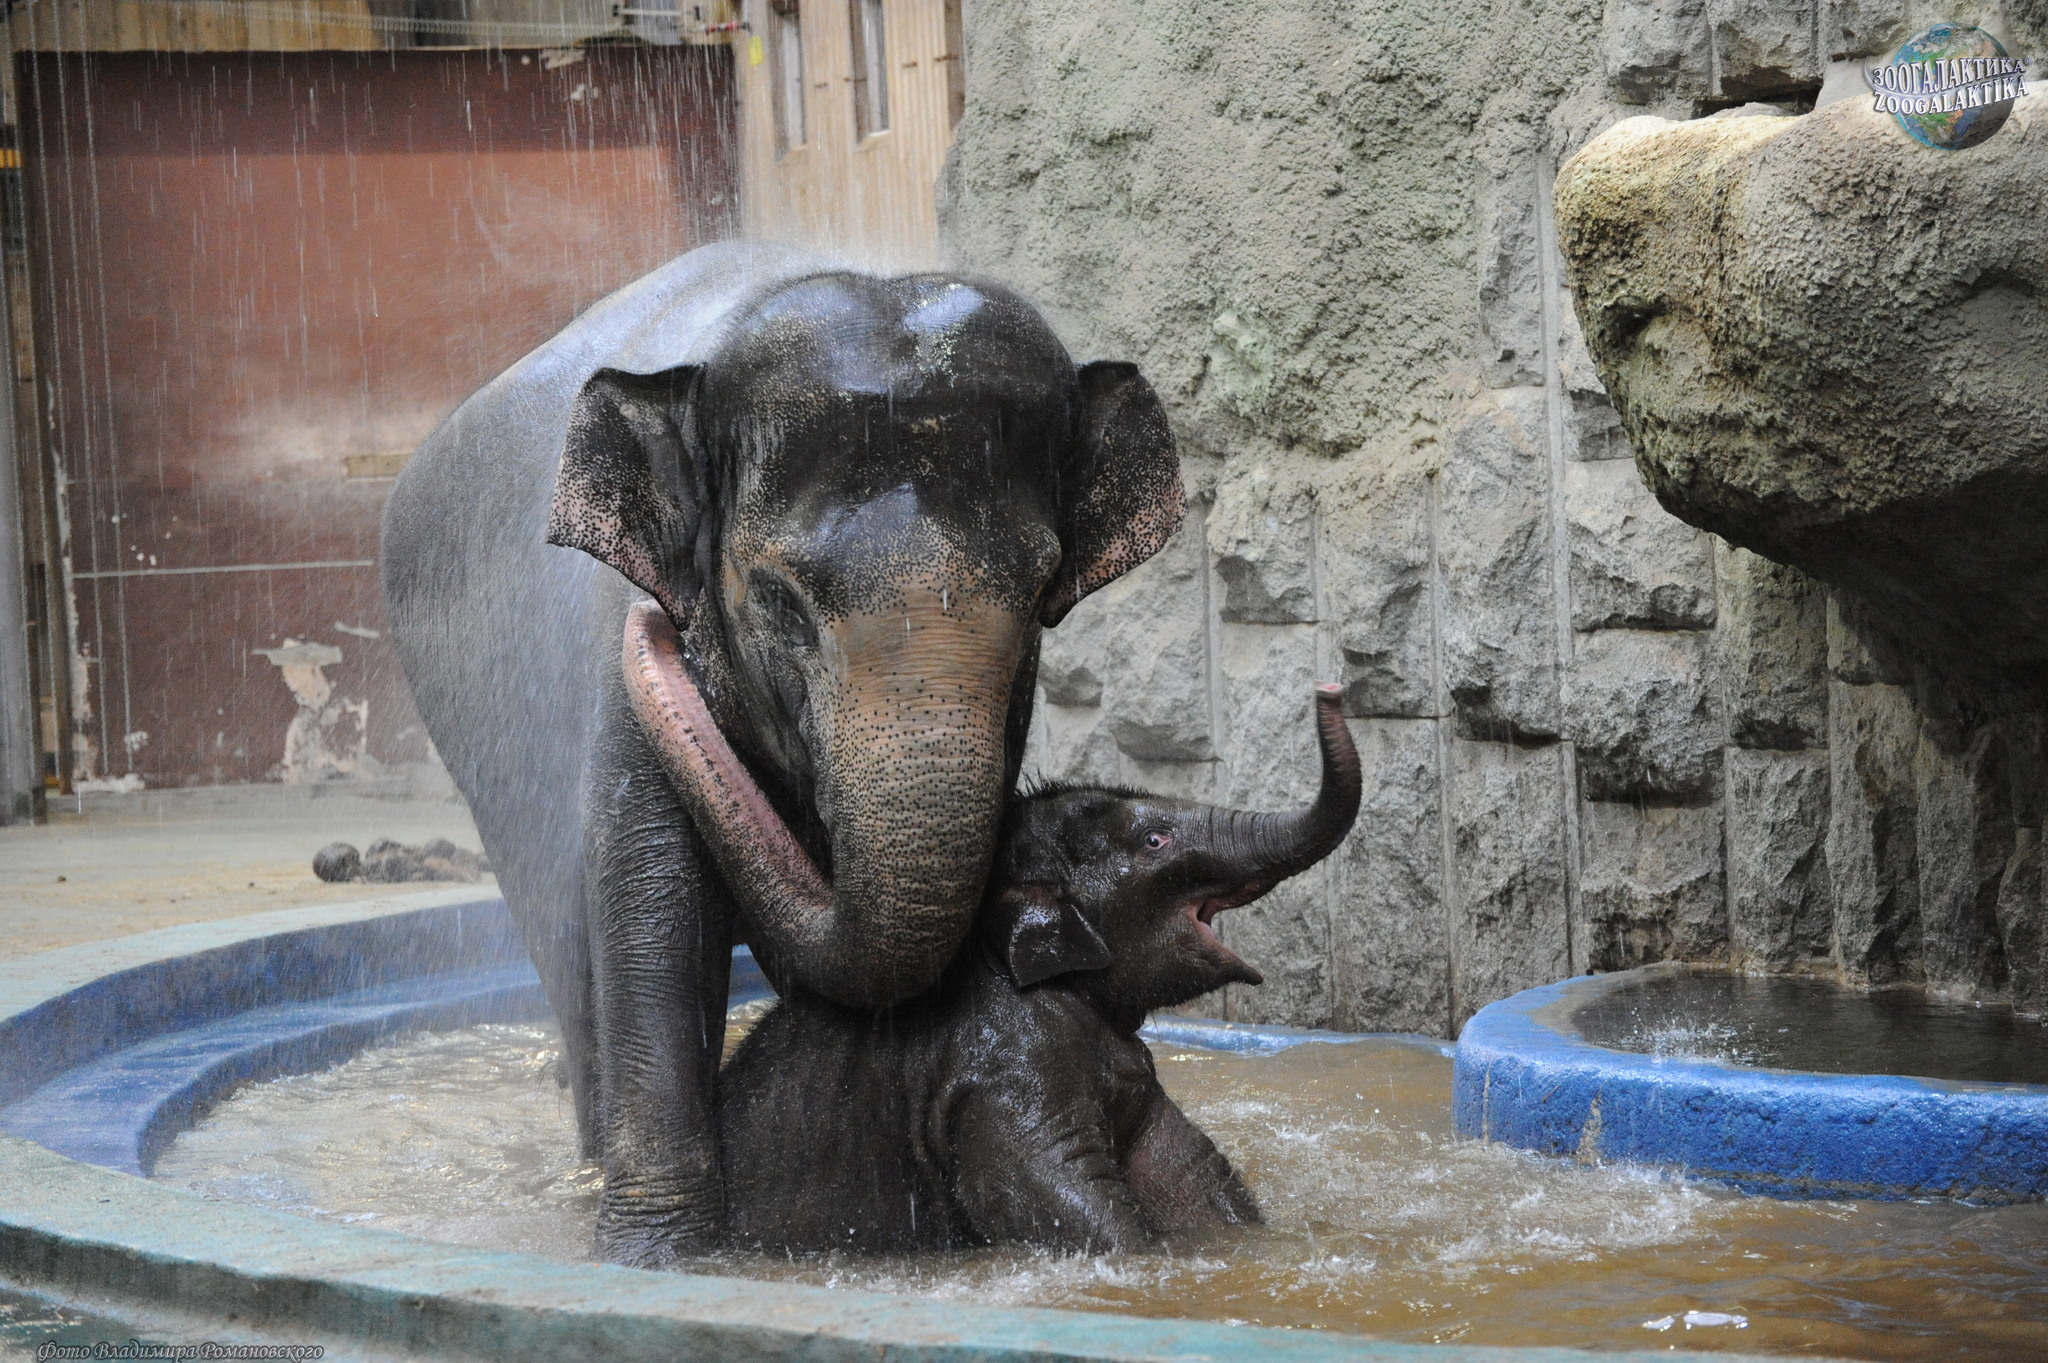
(1523, 1077)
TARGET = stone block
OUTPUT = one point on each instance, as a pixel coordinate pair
(1650, 885)
(1377, 578)
(1644, 714)
(1771, 636)
(1268, 680)
(1140, 649)
(1872, 843)
(1499, 606)
(1204, 781)
(1634, 564)
(1268, 673)
(1655, 50)
(1071, 744)
(1592, 427)
(1764, 48)
(1850, 29)
(1511, 275)
(1963, 831)
(1071, 658)
(1393, 963)
(1066, 675)
(1262, 537)
(1286, 938)
(1776, 806)
(2023, 922)
(1857, 653)
(1509, 921)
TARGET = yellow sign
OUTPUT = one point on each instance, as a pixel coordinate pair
(755, 56)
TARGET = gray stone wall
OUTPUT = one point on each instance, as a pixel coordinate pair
(1593, 736)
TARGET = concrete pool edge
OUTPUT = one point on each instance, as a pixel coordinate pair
(1523, 1077)
(113, 1245)
(87, 1233)
(110, 1070)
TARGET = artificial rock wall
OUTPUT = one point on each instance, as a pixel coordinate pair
(1593, 736)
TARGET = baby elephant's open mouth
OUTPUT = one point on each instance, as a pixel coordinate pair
(1202, 911)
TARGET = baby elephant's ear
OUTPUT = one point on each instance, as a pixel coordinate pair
(1036, 936)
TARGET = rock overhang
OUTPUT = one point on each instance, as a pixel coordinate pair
(1829, 344)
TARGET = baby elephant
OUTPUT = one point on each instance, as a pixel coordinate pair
(1016, 1101)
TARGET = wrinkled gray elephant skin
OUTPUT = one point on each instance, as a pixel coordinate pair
(1829, 344)
(1016, 1102)
(855, 503)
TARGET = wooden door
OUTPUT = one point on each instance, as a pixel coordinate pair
(260, 280)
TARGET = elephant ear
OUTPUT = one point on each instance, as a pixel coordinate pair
(1130, 500)
(1036, 936)
(630, 490)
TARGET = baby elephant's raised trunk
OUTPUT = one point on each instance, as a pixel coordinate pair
(1268, 848)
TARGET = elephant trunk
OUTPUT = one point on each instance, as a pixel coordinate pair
(1268, 848)
(904, 895)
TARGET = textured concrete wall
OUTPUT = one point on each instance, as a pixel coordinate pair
(1593, 736)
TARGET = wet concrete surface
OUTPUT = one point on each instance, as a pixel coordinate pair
(107, 866)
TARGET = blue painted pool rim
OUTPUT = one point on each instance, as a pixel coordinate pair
(1524, 1077)
(111, 1072)
(164, 1261)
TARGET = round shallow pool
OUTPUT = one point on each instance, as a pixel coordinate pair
(1383, 1221)
(382, 1131)
(1793, 1087)
(1792, 1022)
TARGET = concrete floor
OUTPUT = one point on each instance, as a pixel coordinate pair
(114, 865)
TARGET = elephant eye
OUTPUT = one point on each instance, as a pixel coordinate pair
(785, 614)
(1155, 840)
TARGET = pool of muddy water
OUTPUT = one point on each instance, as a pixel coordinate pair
(1381, 1221)
(1800, 1023)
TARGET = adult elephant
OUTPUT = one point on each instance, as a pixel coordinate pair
(856, 502)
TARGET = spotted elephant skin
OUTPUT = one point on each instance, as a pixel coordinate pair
(1016, 1102)
(844, 507)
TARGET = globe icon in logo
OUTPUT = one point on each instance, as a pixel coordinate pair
(1950, 87)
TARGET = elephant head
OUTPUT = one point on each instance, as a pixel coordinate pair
(1121, 890)
(854, 519)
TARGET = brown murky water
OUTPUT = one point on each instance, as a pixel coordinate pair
(1382, 1221)
(1792, 1022)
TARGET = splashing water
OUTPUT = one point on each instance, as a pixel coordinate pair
(1381, 1221)
(1694, 1040)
